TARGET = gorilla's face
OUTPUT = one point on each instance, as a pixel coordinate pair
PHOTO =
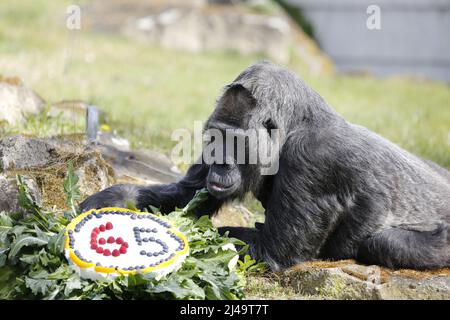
(226, 173)
(235, 170)
(231, 176)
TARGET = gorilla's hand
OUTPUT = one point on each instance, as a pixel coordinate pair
(120, 195)
(248, 235)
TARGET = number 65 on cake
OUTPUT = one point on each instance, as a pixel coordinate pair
(109, 242)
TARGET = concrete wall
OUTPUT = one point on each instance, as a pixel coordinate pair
(414, 37)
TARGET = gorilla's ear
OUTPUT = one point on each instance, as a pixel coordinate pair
(235, 102)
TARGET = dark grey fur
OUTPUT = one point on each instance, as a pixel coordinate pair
(341, 190)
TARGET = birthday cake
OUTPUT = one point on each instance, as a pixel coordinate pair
(109, 242)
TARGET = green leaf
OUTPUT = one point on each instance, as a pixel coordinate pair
(5, 220)
(40, 234)
(62, 273)
(131, 205)
(56, 243)
(204, 223)
(53, 294)
(27, 203)
(4, 233)
(212, 292)
(153, 209)
(18, 230)
(200, 196)
(29, 258)
(3, 256)
(71, 188)
(73, 283)
(195, 290)
(135, 280)
(175, 287)
(222, 257)
(39, 286)
(7, 283)
(24, 241)
(40, 273)
(24, 198)
(46, 259)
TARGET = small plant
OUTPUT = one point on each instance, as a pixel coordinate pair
(249, 266)
(71, 188)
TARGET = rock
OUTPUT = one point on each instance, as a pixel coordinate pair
(113, 141)
(44, 162)
(137, 166)
(331, 283)
(94, 175)
(16, 101)
(9, 193)
(198, 30)
(349, 280)
(202, 25)
(20, 152)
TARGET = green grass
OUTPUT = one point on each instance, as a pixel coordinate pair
(146, 92)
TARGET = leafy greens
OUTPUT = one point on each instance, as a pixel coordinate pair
(33, 266)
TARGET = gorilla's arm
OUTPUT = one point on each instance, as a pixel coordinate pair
(286, 238)
(165, 197)
(299, 212)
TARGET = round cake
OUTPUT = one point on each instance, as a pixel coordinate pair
(109, 242)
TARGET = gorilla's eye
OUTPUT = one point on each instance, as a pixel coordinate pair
(269, 125)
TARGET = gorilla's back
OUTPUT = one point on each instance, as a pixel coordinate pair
(417, 190)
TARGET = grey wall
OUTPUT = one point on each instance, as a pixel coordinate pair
(414, 36)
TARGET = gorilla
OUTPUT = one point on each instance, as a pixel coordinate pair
(340, 192)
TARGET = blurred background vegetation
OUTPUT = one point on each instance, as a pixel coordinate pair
(146, 91)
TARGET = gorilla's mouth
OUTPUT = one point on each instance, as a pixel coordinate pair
(219, 190)
(223, 180)
(219, 187)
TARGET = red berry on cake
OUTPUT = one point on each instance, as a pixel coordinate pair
(109, 226)
(111, 240)
(106, 252)
(115, 253)
(123, 250)
(99, 250)
(102, 228)
(119, 240)
(102, 241)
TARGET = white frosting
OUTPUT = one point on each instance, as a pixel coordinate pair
(142, 244)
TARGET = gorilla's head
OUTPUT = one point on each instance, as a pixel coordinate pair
(271, 101)
(240, 135)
